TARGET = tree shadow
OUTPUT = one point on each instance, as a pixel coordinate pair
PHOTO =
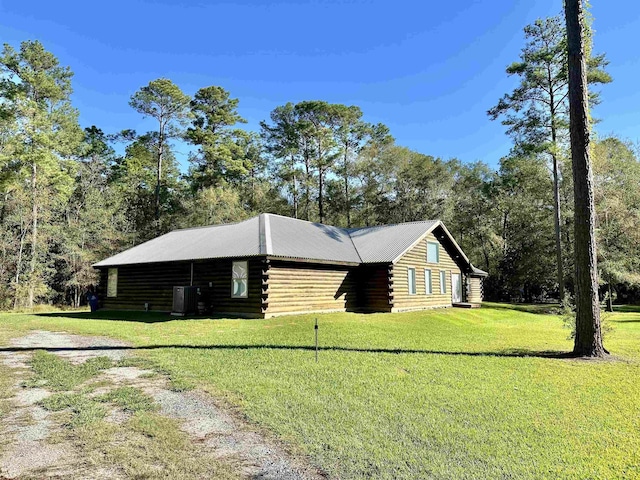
(511, 353)
(538, 309)
(123, 316)
(626, 308)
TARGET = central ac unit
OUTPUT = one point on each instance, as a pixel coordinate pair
(185, 300)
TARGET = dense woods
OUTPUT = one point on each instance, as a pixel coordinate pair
(70, 196)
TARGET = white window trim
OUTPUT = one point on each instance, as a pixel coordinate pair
(246, 278)
(112, 285)
(443, 284)
(415, 290)
(428, 285)
(437, 244)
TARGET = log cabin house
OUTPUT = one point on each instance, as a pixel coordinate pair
(273, 265)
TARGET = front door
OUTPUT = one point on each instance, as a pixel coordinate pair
(456, 288)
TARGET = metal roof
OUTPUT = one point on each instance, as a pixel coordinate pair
(278, 236)
(300, 239)
(385, 243)
(216, 241)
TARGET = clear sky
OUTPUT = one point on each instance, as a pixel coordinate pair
(429, 70)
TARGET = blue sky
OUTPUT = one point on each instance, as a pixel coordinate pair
(428, 70)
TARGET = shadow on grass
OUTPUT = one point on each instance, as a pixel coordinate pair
(123, 316)
(512, 353)
(626, 308)
(536, 308)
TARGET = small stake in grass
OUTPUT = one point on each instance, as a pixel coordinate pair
(316, 329)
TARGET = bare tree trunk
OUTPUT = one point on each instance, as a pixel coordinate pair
(556, 189)
(307, 183)
(295, 187)
(347, 202)
(556, 224)
(16, 299)
(588, 340)
(34, 235)
(320, 199)
(158, 177)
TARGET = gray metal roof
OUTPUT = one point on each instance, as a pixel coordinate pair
(385, 243)
(217, 241)
(300, 239)
(279, 236)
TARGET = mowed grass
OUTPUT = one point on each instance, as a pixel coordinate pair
(455, 394)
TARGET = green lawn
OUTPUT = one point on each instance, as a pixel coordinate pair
(437, 394)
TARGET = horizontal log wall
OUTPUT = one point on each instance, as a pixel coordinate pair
(417, 258)
(304, 287)
(373, 292)
(153, 284)
(475, 290)
(217, 273)
(145, 283)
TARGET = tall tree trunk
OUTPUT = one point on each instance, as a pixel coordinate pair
(347, 202)
(23, 233)
(556, 225)
(588, 340)
(320, 199)
(556, 187)
(158, 177)
(34, 235)
(307, 183)
(295, 187)
(556, 218)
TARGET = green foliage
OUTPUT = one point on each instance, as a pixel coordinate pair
(616, 176)
(162, 100)
(40, 132)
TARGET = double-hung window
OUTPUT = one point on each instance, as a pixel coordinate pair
(112, 283)
(428, 289)
(411, 280)
(433, 252)
(239, 280)
(443, 281)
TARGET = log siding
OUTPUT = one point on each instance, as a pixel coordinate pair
(475, 290)
(303, 287)
(153, 284)
(416, 258)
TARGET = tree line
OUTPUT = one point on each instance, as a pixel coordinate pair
(67, 199)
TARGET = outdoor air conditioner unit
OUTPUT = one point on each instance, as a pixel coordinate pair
(185, 300)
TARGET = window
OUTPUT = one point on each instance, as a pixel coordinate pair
(411, 278)
(433, 252)
(239, 280)
(443, 281)
(112, 282)
(427, 282)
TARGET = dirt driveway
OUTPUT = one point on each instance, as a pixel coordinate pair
(83, 407)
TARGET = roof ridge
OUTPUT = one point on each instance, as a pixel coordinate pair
(304, 221)
(353, 229)
(209, 226)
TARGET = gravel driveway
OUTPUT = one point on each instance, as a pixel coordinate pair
(28, 430)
